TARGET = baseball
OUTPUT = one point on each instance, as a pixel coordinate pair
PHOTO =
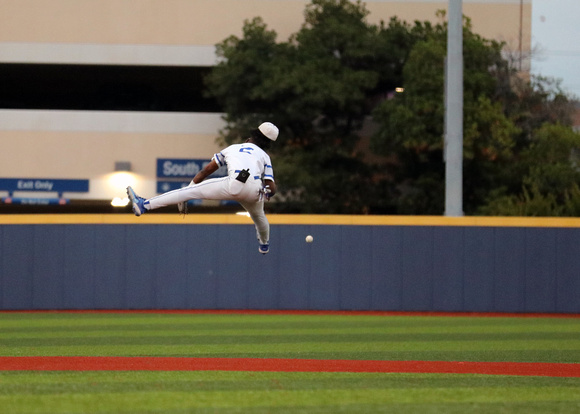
(309, 239)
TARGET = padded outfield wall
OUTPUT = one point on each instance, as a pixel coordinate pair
(355, 263)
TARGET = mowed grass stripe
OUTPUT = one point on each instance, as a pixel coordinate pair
(240, 339)
(15, 322)
(22, 382)
(563, 356)
(188, 329)
(168, 400)
(23, 319)
(291, 336)
(297, 348)
(504, 407)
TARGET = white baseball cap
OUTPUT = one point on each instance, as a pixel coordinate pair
(269, 130)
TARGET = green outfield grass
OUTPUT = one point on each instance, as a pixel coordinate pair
(287, 336)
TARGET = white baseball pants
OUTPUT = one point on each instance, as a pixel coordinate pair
(225, 188)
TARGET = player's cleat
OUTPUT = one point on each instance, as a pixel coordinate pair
(264, 248)
(137, 203)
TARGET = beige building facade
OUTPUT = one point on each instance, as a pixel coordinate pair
(69, 144)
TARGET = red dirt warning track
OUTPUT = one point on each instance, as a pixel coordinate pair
(57, 363)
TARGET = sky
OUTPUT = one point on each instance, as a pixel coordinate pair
(556, 36)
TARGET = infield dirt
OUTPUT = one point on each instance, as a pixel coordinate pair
(55, 363)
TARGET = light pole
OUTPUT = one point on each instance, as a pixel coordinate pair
(453, 151)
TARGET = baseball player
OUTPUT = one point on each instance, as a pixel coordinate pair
(250, 181)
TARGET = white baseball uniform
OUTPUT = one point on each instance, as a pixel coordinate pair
(237, 157)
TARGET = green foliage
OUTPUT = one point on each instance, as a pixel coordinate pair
(338, 71)
(315, 83)
(536, 102)
(553, 159)
(502, 170)
(316, 88)
(411, 124)
(237, 81)
(531, 202)
(550, 183)
(572, 201)
(329, 180)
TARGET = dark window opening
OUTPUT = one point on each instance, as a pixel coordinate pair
(105, 87)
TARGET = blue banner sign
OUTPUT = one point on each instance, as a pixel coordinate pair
(35, 201)
(181, 168)
(43, 184)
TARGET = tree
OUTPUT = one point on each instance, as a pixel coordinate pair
(337, 71)
(238, 80)
(316, 87)
(503, 118)
(411, 124)
(549, 186)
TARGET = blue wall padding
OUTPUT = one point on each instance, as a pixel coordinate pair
(347, 267)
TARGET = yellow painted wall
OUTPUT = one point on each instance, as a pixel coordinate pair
(291, 219)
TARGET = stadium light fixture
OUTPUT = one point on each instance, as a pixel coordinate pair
(122, 165)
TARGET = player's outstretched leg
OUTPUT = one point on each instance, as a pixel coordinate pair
(256, 211)
(182, 206)
(137, 203)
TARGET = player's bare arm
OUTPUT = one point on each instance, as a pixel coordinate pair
(208, 170)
